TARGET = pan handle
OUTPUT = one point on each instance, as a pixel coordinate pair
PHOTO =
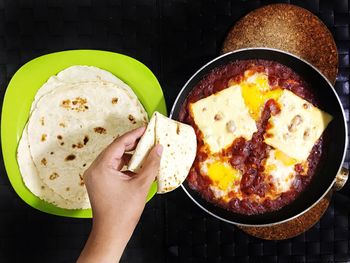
(341, 179)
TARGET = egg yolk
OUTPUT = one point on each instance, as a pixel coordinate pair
(285, 159)
(222, 175)
(256, 93)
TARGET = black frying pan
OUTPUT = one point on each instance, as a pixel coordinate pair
(334, 150)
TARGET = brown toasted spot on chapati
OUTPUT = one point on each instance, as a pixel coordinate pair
(62, 125)
(78, 104)
(42, 121)
(177, 128)
(59, 137)
(67, 188)
(70, 157)
(51, 153)
(81, 180)
(86, 139)
(79, 100)
(42, 187)
(43, 161)
(114, 100)
(43, 137)
(84, 164)
(168, 145)
(131, 118)
(65, 104)
(100, 130)
(167, 189)
(62, 143)
(53, 176)
(79, 145)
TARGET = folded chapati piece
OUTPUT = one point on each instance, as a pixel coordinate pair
(144, 146)
(74, 116)
(179, 150)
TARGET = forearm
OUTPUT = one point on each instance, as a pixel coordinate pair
(105, 244)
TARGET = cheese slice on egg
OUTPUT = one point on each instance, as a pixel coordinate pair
(297, 127)
(222, 117)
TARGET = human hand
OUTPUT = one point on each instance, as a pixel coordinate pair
(117, 198)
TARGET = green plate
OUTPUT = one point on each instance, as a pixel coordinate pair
(30, 77)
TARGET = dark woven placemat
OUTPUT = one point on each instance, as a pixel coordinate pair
(174, 38)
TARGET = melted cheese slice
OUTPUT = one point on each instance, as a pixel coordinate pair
(222, 117)
(297, 127)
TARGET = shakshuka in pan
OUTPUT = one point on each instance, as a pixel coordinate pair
(259, 136)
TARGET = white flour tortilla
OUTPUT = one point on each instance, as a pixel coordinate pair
(78, 74)
(179, 150)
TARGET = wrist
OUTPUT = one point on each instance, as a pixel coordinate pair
(113, 225)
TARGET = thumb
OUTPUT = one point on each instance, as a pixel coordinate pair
(150, 166)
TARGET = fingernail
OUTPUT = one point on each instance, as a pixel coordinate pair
(159, 149)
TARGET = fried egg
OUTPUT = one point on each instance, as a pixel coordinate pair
(256, 90)
(280, 171)
(224, 177)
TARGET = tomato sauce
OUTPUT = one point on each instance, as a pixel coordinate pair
(248, 156)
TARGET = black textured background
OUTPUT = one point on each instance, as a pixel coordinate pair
(173, 38)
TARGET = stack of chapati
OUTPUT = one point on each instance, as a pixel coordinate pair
(74, 116)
